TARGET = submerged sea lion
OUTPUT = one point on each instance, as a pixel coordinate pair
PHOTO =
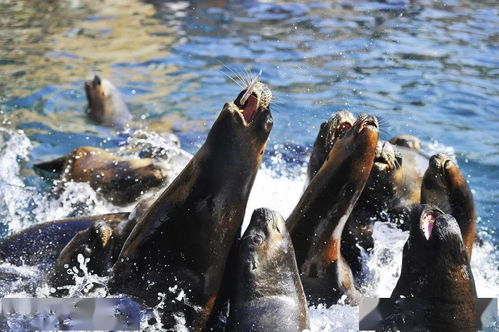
(445, 186)
(180, 247)
(40, 244)
(408, 141)
(268, 293)
(105, 104)
(436, 278)
(120, 180)
(317, 222)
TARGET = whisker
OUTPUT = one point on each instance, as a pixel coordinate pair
(242, 77)
(236, 74)
(249, 74)
(233, 80)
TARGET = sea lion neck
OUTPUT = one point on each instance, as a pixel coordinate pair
(318, 220)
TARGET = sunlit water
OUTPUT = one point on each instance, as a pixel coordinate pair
(429, 68)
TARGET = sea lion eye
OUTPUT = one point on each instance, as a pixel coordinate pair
(342, 129)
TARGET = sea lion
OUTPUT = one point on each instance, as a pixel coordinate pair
(393, 187)
(408, 141)
(317, 221)
(436, 280)
(40, 244)
(120, 180)
(329, 132)
(100, 243)
(105, 104)
(268, 294)
(445, 186)
(180, 247)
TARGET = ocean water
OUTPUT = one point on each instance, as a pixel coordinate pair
(427, 68)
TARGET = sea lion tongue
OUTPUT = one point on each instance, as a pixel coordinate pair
(249, 109)
(427, 223)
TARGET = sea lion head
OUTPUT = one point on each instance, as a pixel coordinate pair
(265, 244)
(408, 141)
(381, 184)
(267, 279)
(442, 174)
(244, 125)
(335, 127)
(364, 133)
(329, 132)
(105, 103)
(386, 158)
(436, 236)
(436, 273)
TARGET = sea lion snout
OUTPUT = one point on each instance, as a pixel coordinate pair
(263, 225)
(436, 225)
(440, 163)
(253, 100)
(366, 121)
(386, 157)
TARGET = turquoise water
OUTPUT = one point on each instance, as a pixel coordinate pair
(427, 68)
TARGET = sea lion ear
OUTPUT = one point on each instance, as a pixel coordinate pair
(96, 81)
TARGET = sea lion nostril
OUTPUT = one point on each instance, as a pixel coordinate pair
(372, 121)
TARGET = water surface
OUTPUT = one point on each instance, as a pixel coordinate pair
(428, 68)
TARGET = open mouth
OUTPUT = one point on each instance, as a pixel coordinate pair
(254, 97)
(249, 107)
(427, 222)
(341, 129)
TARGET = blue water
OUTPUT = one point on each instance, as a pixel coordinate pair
(428, 68)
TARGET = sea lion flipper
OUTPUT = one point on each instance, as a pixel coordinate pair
(55, 165)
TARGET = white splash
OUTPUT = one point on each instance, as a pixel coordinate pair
(276, 190)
